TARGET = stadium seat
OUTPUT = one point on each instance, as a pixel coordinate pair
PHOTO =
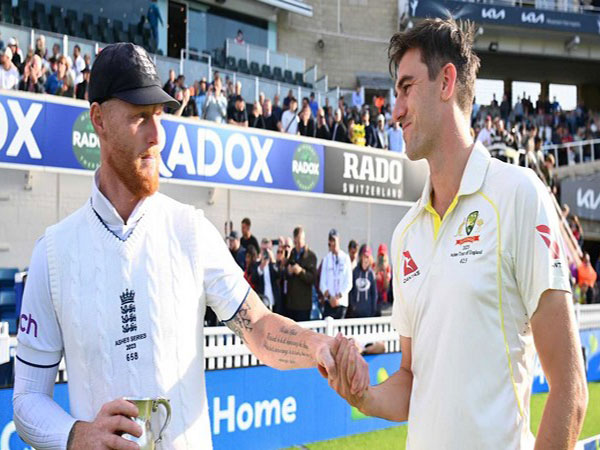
(287, 77)
(6, 12)
(7, 277)
(299, 79)
(255, 69)
(266, 72)
(8, 300)
(218, 58)
(243, 66)
(277, 74)
(230, 64)
(87, 19)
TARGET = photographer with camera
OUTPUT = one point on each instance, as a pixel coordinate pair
(266, 278)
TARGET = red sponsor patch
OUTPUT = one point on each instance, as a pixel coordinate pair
(546, 235)
(410, 265)
(467, 240)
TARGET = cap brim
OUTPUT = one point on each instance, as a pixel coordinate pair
(149, 95)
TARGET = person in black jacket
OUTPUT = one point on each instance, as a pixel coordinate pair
(256, 119)
(370, 132)
(323, 131)
(237, 251)
(306, 125)
(362, 301)
(339, 132)
(272, 122)
(301, 269)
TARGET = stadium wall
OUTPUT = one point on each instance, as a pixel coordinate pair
(355, 34)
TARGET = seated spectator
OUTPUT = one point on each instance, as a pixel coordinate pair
(271, 121)
(40, 47)
(9, 75)
(237, 251)
(363, 296)
(33, 78)
(314, 106)
(277, 111)
(380, 134)
(323, 131)
(81, 89)
(59, 82)
(17, 59)
(486, 133)
(306, 125)
(289, 119)
(238, 116)
(256, 119)
(170, 85)
(188, 106)
(215, 106)
(586, 279)
(395, 138)
(340, 132)
(248, 238)
(356, 132)
(261, 99)
(231, 97)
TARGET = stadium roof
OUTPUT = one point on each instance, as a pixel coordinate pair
(374, 80)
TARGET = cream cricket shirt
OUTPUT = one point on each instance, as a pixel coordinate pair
(465, 288)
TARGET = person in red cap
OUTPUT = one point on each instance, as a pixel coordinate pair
(383, 275)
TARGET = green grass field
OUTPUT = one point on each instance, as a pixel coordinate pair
(395, 438)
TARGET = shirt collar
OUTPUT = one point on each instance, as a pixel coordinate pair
(107, 211)
(472, 178)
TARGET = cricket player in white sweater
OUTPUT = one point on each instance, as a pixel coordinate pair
(121, 285)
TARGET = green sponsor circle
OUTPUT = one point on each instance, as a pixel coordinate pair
(306, 167)
(86, 145)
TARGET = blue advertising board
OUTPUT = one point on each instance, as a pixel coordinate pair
(46, 131)
(259, 407)
(263, 408)
(502, 14)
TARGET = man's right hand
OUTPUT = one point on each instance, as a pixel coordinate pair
(105, 431)
(350, 368)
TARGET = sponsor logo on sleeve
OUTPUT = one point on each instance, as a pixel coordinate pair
(411, 269)
(546, 235)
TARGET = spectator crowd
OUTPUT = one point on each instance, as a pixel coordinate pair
(42, 71)
(222, 101)
(292, 281)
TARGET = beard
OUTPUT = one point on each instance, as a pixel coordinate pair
(138, 180)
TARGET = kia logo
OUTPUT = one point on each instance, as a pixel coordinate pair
(532, 17)
(493, 14)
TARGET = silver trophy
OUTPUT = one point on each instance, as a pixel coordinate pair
(147, 407)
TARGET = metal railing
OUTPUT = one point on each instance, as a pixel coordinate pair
(262, 55)
(224, 350)
(578, 152)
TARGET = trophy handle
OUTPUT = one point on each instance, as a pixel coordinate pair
(164, 402)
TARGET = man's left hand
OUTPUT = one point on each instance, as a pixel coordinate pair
(348, 369)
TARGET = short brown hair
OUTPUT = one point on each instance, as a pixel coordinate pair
(441, 41)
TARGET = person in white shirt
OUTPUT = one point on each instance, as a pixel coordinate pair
(486, 134)
(336, 278)
(215, 105)
(78, 65)
(120, 287)
(480, 278)
(289, 118)
(357, 98)
(395, 139)
(9, 75)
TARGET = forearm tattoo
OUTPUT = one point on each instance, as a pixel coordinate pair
(241, 323)
(287, 346)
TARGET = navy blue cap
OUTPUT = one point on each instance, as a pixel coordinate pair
(333, 233)
(125, 71)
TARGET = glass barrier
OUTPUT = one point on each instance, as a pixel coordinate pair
(257, 54)
(87, 47)
(277, 60)
(238, 51)
(295, 64)
(23, 36)
(164, 64)
(269, 88)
